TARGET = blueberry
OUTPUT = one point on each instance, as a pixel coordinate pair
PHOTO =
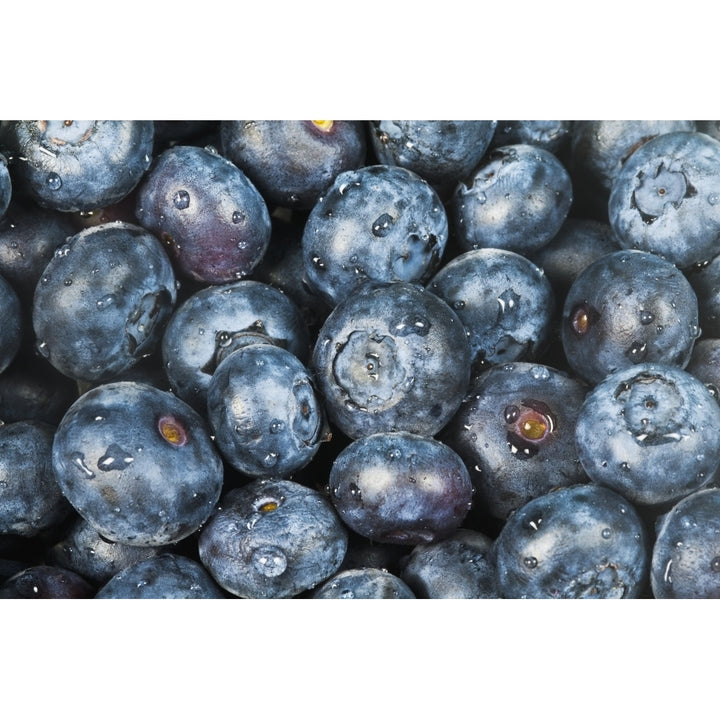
(5, 186)
(599, 148)
(84, 551)
(441, 151)
(504, 301)
(397, 487)
(167, 576)
(12, 333)
(380, 223)
(705, 281)
(686, 554)
(45, 582)
(705, 363)
(551, 135)
(666, 198)
(583, 541)
(363, 584)
(628, 307)
(515, 431)
(292, 161)
(137, 463)
(516, 199)
(216, 320)
(75, 165)
(30, 499)
(103, 301)
(272, 538)
(210, 216)
(651, 433)
(460, 566)
(391, 356)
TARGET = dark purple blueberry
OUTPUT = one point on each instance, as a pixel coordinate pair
(578, 542)
(44, 582)
(272, 538)
(391, 356)
(441, 151)
(80, 165)
(209, 215)
(292, 161)
(265, 414)
(401, 488)
(363, 584)
(13, 326)
(379, 222)
(137, 463)
(626, 308)
(651, 433)
(515, 431)
(103, 301)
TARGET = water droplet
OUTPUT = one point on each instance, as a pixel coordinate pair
(606, 533)
(78, 460)
(43, 349)
(540, 372)
(53, 181)
(269, 561)
(713, 198)
(277, 426)
(383, 225)
(481, 198)
(105, 302)
(270, 460)
(237, 217)
(624, 466)
(646, 317)
(182, 199)
(530, 562)
(67, 282)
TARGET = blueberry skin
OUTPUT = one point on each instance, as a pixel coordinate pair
(401, 488)
(5, 186)
(363, 584)
(626, 308)
(12, 331)
(651, 433)
(583, 541)
(293, 161)
(391, 356)
(379, 222)
(598, 150)
(666, 198)
(462, 566)
(103, 301)
(504, 301)
(78, 165)
(515, 431)
(215, 320)
(705, 281)
(441, 151)
(272, 538)
(167, 576)
(705, 363)
(30, 499)
(84, 551)
(137, 463)
(264, 412)
(44, 582)
(516, 199)
(210, 216)
(686, 555)
(551, 135)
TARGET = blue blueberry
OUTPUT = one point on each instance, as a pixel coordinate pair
(705, 363)
(666, 198)
(79, 165)
(85, 551)
(45, 582)
(272, 538)
(397, 487)
(103, 301)
(441, 151)
(626, 308)
(137, 463)
(167, 576)
(265, 414)
(583, 541)
(551, 135)
(216, 320)
(516, 199)
(686, 553)
(515, 431)
(461, 566)
(651, 433)
(391, 356)
(210, 216)
(30, 499)
(504, 301)
(292, 161)
(379, 222)
(363, 584)
(705, 281)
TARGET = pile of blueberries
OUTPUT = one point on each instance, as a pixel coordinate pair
(360, 359)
